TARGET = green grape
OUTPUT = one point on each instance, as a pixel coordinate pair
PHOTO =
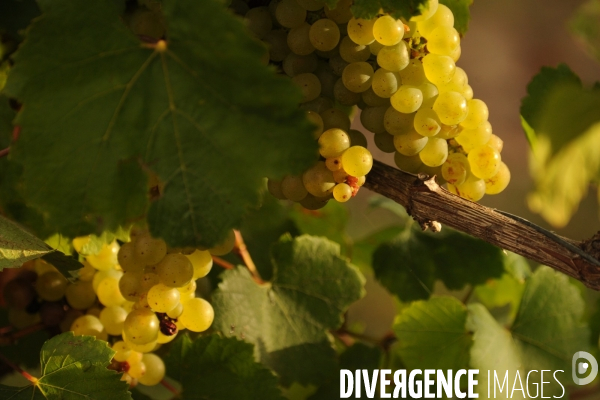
(341, 14)
(438, 69)
(342, 192)
(258, 21)
(430, 93)
(197, 315)
(128, 259)
(202, 262)
(225, 246)
(324, 34)
(129, 286)
(86, 274)
(357, 138)
(372, 100)
(372, 119)
(337, 65)
(357, 76)
(333, 142)
(471, 138)
(299, 42)
(410, 164)
(147, 280)
(109, 293)
(407, 99)
(318, 180)
(155, 370)
(384, 142)
(317, 121)
(176, 270)
(498, 182)
(484, 161)
(343, 95)
(361, 30)
(162, 298)
(413, 74)
(456, 169)
(334, 118)
(309, 84)
(87, 325)
(149, 250)
(410, 144)
(397, 123)
(101, 275)
(141, 326)
(352, 52)
(435, 152)
(443, 40)
(293, 188)
(276, 41)
(106, 258)
(385, 83)
(22, 319)
(327, 79)
(274, 187)
(294, 64)
(388, 31)
(375, 48)
(478, 114)
(51, 286)
(427, 10)
(357, 161)
(311, 5)
(80, 295)
(122, 352)
(334, 164)
(442, 17)
(427, 122)
(394, 58)
(113, 318)
(289, 14)
(451, 108)
(495, 143)
(472, 189)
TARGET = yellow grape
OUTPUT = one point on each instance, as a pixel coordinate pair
(155, 370)
(361, 30)
(148, 280)
(356, 139)
(334, 163)
(225, 246)
(258, 20)
(101, 275)
(472, 189)
(427, 10)
(318, 180)
(443, 40)
(385, 83)
(388, 31)
(397, 123)
(324, 34)
(456, 169)
(407, 99)
(410, 144)
(137, 370)
(384, 142)
(478, 114)
(113, 318)
(372, 119)
(340, 176)
(357, 161)
(298, 40)
(357, 76)
(289, 14)
(410, 164)
(413, 74)
(197, 315)
(427, 122)
(122, 352)
(455, 56)
(333, 142)
(129, 286)
(293, 188)
(442, 17)
(150, 250)
(141, 326)
(342, 192)
(162, 338)
(274, 187)
(498, 182)
(484, 162)
(438, 69)
(471, 138)
(352, 52)
(341, 14)
(51, 286)
(109, 293)
(86, 274)
(449, 131)
(375, 48)
(311, 5)
(276, 41)
(202, 262)
(435, 152)
(87, 325)
(80, 242)
(317, 121)
(394, 58)
(127, 258)
(495, 143)
(451, 108)
(163, 298)
(309, 85)
(106, 258)
(80, 295)
(335, 118)
(372, 100)
(175, 270)
(430, 93)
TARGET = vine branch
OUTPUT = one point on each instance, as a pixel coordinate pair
(428, 204)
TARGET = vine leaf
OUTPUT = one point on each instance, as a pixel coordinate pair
(73, 367)
(200, 112)
(409, 265)
(584, 24)
(227, 370)
(433, 335)
(462, 15)
(18, 246)
(288, 318)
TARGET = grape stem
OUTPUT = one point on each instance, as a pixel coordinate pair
(242, 251)
(169, 387)
(4, 152)
(222, 263)
(14, 366)
(429, 204)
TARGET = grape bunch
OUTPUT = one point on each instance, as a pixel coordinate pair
(136, 296)
(403, 77)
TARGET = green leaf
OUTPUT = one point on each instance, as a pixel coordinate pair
(362, 250)
(15, 15)
(358, 356)
(73, 367)
(330, 222)
(288, 318)
(18, 246)
(26, 351)
(462, 14)
(585, 24)
(107, 107)
(370, 8)
(409, 265)
(432, 334)
(217, 368)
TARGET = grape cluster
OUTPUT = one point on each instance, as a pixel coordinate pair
(136, 296)
(403, 77)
